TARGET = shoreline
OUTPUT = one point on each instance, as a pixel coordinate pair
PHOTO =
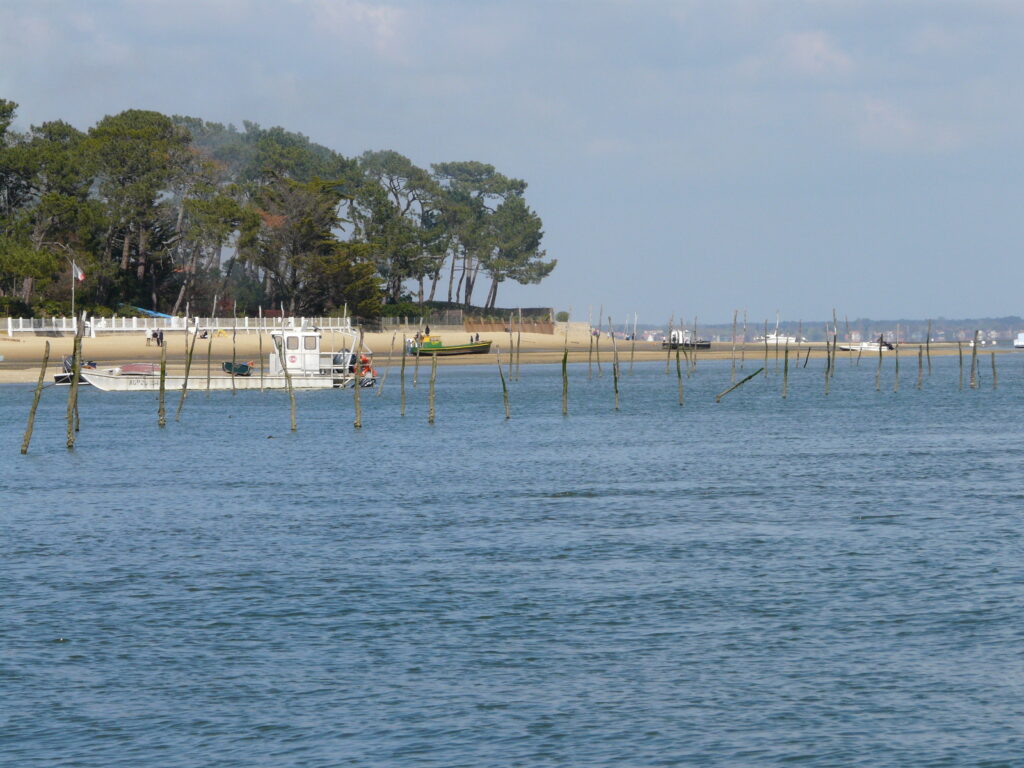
(22, 356)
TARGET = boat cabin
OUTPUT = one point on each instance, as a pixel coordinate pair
(299, 349)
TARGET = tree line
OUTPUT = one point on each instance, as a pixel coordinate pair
(166, 212)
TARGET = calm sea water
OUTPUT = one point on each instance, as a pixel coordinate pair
(825, 581)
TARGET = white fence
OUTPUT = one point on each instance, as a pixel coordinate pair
(95, 325)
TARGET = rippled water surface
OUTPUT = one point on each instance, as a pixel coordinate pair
(825, 581)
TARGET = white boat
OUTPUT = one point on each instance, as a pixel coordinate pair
(867, 346)
(780, 339)
(1018, 343)
(298, 350)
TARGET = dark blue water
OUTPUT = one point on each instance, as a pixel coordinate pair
(823, 581)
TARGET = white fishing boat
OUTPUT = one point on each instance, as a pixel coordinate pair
(1018, 343)
(297, 356)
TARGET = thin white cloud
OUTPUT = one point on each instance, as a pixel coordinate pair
(814, 53)
(884, 125)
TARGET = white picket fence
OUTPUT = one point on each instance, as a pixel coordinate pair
(95, 325)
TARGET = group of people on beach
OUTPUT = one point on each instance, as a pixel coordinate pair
(156, 335)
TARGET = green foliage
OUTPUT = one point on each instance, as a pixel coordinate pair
(174, 212)
(11, 306)
(562, 317)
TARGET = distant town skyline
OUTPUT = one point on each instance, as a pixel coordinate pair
(686, 157)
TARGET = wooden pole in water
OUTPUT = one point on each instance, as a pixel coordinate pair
(287, 376)
(878, 371)
(189, 350)
(433, 389)
(896, 354)
(597, 346)
(928, 346)
(35, 399)
(960, 353)
(835, 347)
(995, 376)
(785, 373)
(974, 362)
(76, 372)
(416, 365)
(732, 376)
(402, 374)
(807, 356)
(504, 386)
(161, 413)
(565, 383)
(828, 362)
(720, 395)
(357, 382)
(920, 366)
(846, 320)
(765, 368)
(385, 376)
(693, 357)
(679, 377)
(615, 364)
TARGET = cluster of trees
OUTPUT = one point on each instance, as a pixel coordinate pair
(163, 211)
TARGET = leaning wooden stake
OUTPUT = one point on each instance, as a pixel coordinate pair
(76, 372)
(995, 376)
(433, 389)
(615, 364)
(161, 413)
(597, 346)
(357, 385)
(519, 343)
(974, 362)
(288, 384)
(720, 395)
(35, 399)
(920, 366)
(504, 386)
(828, 363)
(190, 349)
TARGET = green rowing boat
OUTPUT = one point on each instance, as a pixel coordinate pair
(432, 345)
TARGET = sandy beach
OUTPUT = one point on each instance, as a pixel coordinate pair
(23, 353)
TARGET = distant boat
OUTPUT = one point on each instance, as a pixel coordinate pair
(433, 345)
(1018, 343)
(867, 346)
(780, 339)
(684, 339)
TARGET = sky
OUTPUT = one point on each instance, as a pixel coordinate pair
(687, 157)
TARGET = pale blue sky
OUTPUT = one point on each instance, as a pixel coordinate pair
(687, 157)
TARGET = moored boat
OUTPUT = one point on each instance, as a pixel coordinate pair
(297, 362)
(684, 339)
(433, 345)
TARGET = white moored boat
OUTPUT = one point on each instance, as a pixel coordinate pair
(867, 346)
(297, 349)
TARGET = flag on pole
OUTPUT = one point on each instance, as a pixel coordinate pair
(79, 274)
